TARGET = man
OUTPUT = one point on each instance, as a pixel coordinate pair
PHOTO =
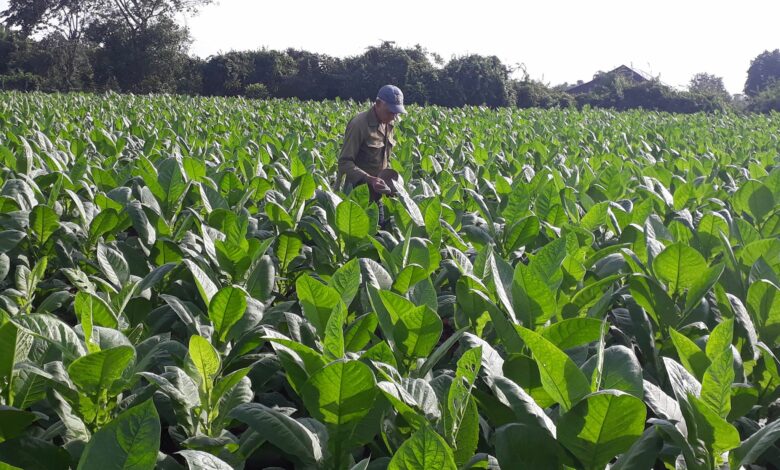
(369, 141)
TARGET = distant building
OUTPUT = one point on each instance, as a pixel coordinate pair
(624, 71)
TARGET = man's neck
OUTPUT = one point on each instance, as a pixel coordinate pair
(376, 114)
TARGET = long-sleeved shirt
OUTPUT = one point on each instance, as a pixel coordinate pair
(367, 147)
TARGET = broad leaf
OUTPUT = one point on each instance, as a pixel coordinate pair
(287, 434)
(96, 373)
(226, 308)
(680, 266)
(206, 360)
(561, 378)
(523, 446)
(425, 449)
(602, 426)
(129, 442)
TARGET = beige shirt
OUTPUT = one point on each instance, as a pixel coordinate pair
(367, 147)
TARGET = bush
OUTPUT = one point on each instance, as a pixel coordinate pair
(766, 101)
(256, 91)
(22, 81)
(651, 95)
(534, 94)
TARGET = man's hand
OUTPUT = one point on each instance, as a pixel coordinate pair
(379, 185)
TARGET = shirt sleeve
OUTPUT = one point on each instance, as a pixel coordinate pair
(349, 152)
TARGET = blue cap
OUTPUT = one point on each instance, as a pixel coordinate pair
(394, 98)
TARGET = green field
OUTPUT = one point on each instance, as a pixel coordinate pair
(181, 287)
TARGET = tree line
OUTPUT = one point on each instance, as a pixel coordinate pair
(136, 46)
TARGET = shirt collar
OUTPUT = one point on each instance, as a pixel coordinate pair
(373, 121)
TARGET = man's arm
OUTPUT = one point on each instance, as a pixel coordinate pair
(349, 152)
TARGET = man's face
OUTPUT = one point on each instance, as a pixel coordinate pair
(383, 112)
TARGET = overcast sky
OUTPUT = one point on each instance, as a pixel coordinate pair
(557, 40)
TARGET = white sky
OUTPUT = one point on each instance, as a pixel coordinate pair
(557, 40)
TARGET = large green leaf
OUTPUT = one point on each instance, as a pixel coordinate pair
(172, 181)
(15, 344)
(682, 382)
(404, 403)
(620, 371)
(691, 355)
(103, 223)
(317, 301)
(346, 280)
(643, 453)
(288, 247)
(663, 405)
(716, 384)
(533, 300)
(459, 396)
(97, 372)
(720, 339)
(359, 333)
(54, 332)
(340, 395)
(203, 282)
(715, 433)
(501, 278)
(573, 332)
(649, 294)
(260, 283)
(702, 285)
(467, 439)
(13, 422)
(526, 410)
(286, 433)
(199, 460)
(205, 359)
(226, 308)
(561, 378)
(520, 445)
(425, 449)
(141, 223)
(340, 392)
(408, 277)
(129, 442)
(416, 329)
(352, 221)
(9, 239)
(754, 446)
(33, 453)
(708, 231)
(602, 426)
(43, 222)
(680, 266)
(763, 301)
(755, 199)
(100, 313)
(333, 344)
(114, 265)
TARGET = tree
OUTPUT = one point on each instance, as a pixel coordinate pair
(474, 80)
(706, 84)
(138, 15)
(535, 94)
(315, 76)
(148, 60)
(63, 22)
(766, 101)
(134, 43)
(67, 17)
(227, 74)
(409, 69)
(764, 70)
